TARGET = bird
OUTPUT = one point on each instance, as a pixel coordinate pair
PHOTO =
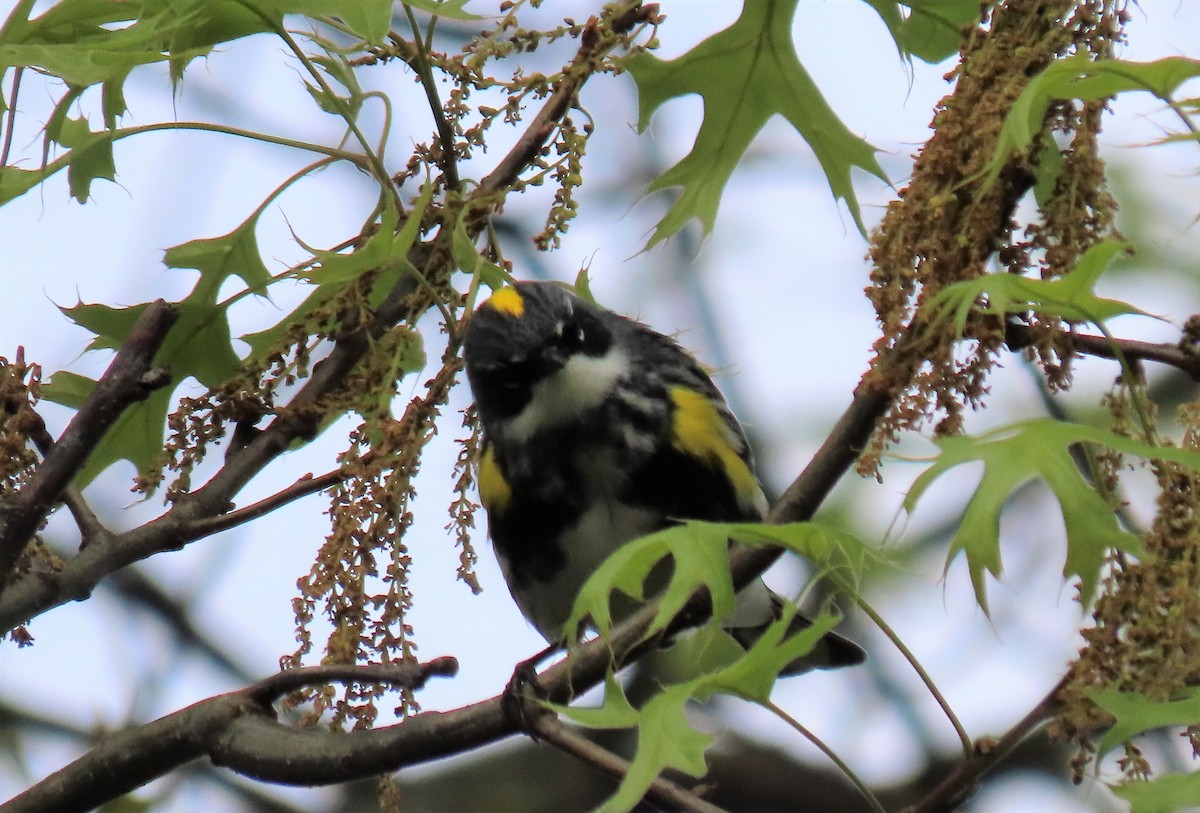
(596, 430)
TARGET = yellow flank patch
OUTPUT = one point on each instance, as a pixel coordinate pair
(508, 300)
(494, 490)
(699, 430)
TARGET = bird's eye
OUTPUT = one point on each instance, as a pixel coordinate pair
(573, 336)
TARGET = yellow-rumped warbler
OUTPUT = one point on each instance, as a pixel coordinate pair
(598, 430)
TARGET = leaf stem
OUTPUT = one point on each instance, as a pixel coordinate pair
(964, 738)
(861, 786)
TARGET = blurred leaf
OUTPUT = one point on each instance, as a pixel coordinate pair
(470, 261)
(1136, 713)
(68, 389)
(16, 182)
(746, 74)
(1028, 450)
(336, 66)
(614, 711)
(384, 248)
(666, 740)
(1164, 794)
(451, 9)
(1080, 77)
(838, 554)
(753, 676)
(1070, 296)
(369, 19)
(700, 552)
(932, 29)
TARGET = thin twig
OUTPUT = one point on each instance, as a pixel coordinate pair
(91, 530)
(962, 781)
(548, 727)
(963, 737)
(304, 486)
(6, 150)
(1018, 337)
(448, 162)
(405, 675)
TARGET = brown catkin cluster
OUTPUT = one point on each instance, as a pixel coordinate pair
(360, 575)
(951, 221)
(1146, 636)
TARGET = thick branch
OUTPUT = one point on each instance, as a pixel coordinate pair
(128, 379)
(129, 759)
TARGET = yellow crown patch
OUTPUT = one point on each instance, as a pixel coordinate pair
(508, 300)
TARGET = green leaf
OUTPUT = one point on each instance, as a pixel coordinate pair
(1135, 713)
(369, 19)
(385, 248)
(838, 555)
(932, 29)
(1165, 794)
(198, 346)
(753, 676)
(1071, 296)
(666, 740)
(746, 74)
(614, 711)
(263, 342)
(1037, 449)
(1079, 77)
(450, 9)
(336, 66)
(470, 261)
(68, 389)
(136, 436)
(91, 157)
(16, 182)
(218, 258)
(701, 558)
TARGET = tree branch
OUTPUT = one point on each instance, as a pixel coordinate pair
(198, 514)
(1018, 337)
(531, 142)
(129, 759)
(90, 527)
(129, 378)
(961, 782)
(548, 727)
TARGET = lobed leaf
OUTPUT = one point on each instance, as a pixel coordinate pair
(1080, 77)
(1164, 794)
(746, 74)
(1135, 713)
(932, 30)
(1070, 296)
(1025, 451)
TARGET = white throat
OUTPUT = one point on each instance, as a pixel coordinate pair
(582, 384)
